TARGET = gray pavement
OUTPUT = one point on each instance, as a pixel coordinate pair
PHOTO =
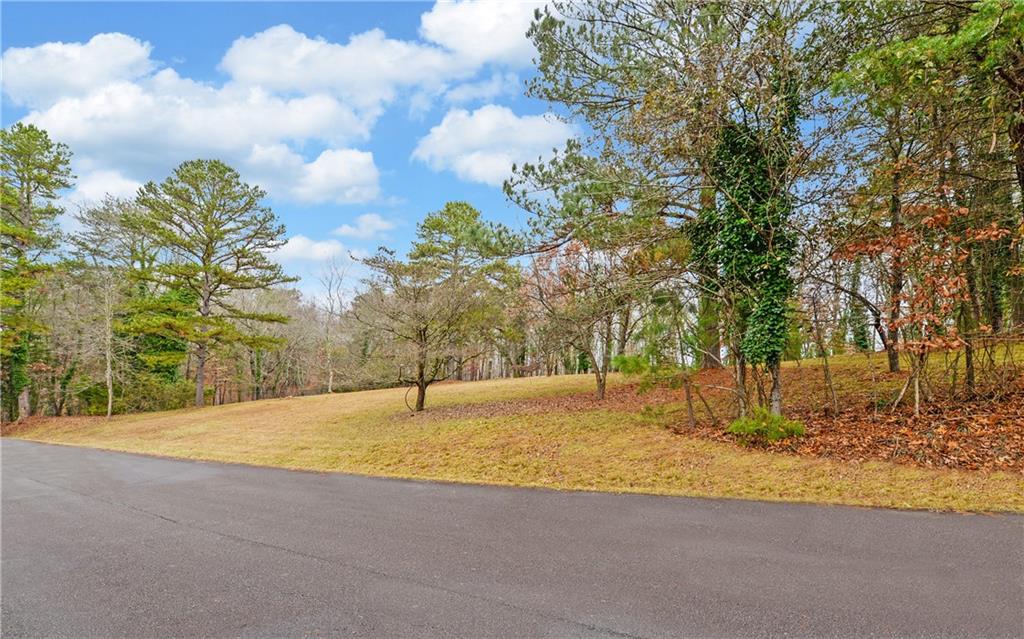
(101, 544)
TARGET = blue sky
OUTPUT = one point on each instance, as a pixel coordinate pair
(358, 118)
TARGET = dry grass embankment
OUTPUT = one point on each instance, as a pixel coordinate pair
(532, 432)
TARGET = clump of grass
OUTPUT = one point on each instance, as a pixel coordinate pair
(762, 426)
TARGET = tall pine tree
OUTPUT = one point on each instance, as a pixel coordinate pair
(216, 234)
(34, 169)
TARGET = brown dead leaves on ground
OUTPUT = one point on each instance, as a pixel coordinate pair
(968, 434)
(976, 435)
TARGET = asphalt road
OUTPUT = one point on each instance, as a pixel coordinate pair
(107, 544)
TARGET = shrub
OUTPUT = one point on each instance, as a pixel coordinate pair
(763, 426)
(150, 392)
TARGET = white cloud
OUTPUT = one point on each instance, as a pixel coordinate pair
(93, 186)
(498, 84)
(483, 145)
(366, 227)
(344, 176)
(482, 31)
(142, 124)
(38, 76)
(341, 175)
(366, 71)
(370, 68)
(301, 248)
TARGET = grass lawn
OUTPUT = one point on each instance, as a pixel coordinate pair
(594, 448)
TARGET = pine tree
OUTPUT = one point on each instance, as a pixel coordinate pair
(34, 169)
(216, 235)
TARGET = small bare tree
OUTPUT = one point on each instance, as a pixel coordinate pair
(332, 304)
(430, 315)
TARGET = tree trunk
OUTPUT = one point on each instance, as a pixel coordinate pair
(710, 335)
(601, 368)
(819, 338)
(256, 368)
(200, 376)
(741, 384)
(1017, 142)
(623, 336)
(108, 338)
(599, 375)
(917, 393)
(1016, 134)
(969, 319)
(689, 402)
(421, 396)
(201, 352)
(24, 404)
(109, 375)
(895, 278)
(55, 392)
(969, 382)
(421, 380)
(775, 370)
(892, 354)
(708, 317)
(601, 383)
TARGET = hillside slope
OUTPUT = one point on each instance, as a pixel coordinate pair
(540, 432)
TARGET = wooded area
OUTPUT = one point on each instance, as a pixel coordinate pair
(758, 182)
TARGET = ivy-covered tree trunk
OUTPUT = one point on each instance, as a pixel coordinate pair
(15, 379)
(21, 382)
(755, 244)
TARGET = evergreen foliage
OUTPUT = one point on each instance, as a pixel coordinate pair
(33, 169)
(216, 233)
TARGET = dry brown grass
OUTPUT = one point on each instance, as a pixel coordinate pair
(609, 449)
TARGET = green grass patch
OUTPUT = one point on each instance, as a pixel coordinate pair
(762, 426)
